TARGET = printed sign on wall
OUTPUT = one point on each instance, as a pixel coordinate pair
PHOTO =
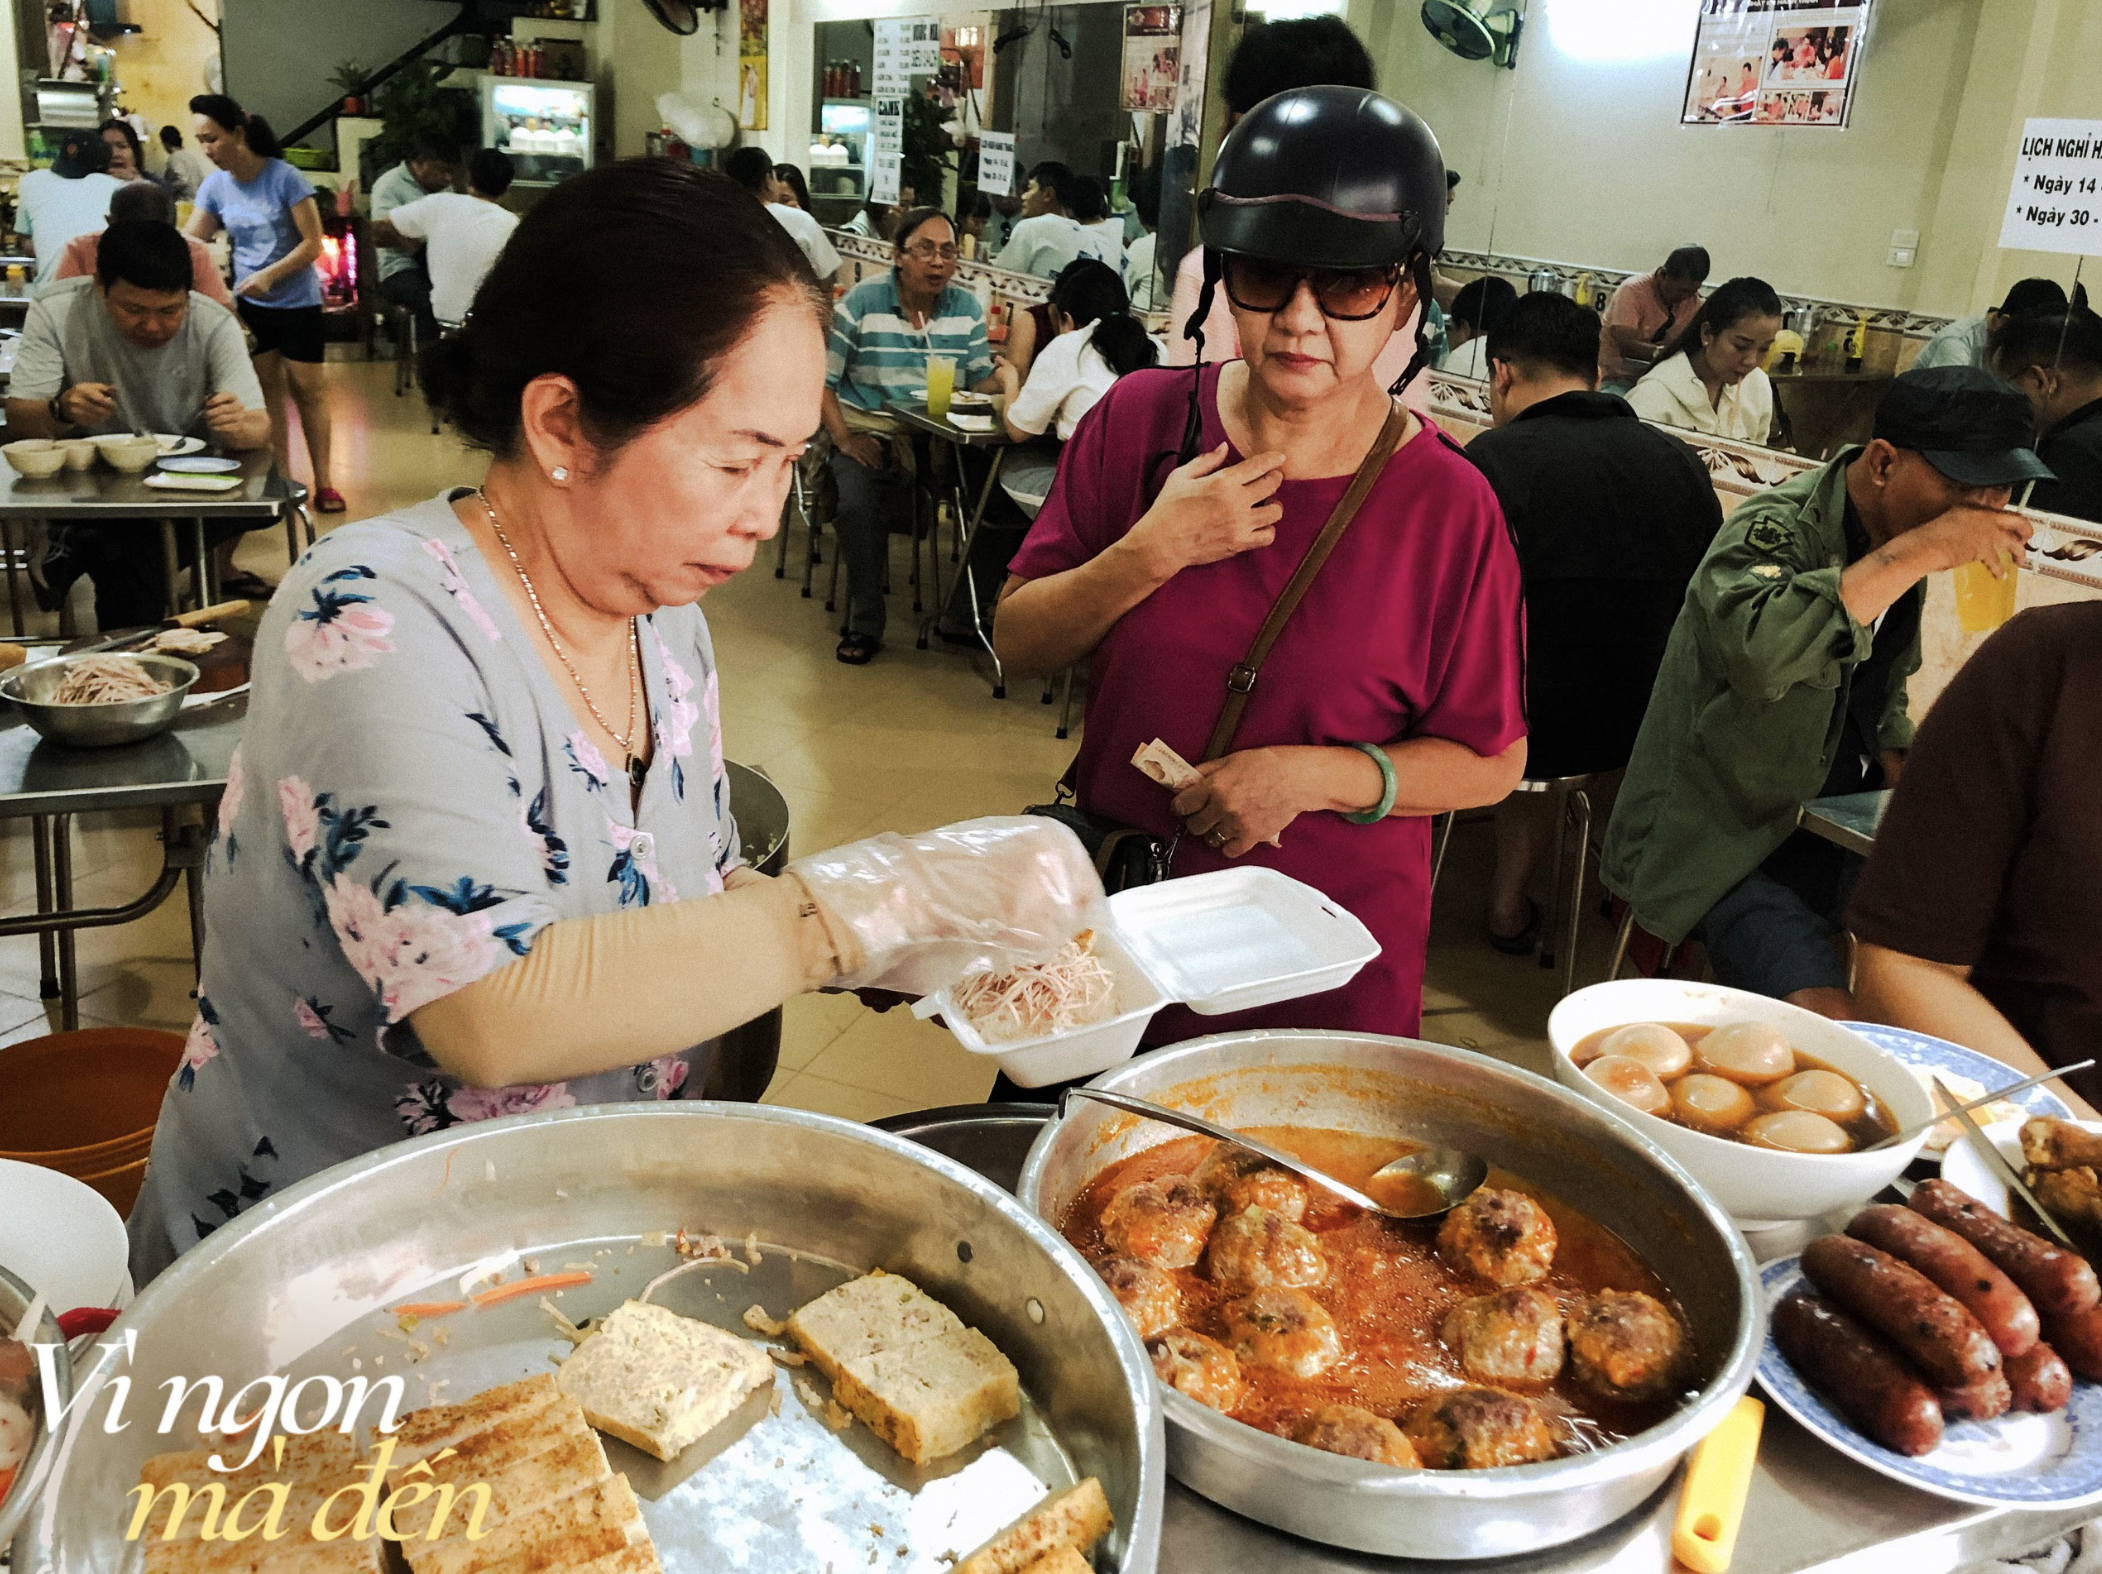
(751, 64)
(887, 149)
(1152, 56)
(2055, 203)
(996, 163)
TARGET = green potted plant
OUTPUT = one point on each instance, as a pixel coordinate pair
(349, 77)
(414, 103)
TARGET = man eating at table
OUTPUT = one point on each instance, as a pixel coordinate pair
(884, 330)
(134, 343)
(1785, 680)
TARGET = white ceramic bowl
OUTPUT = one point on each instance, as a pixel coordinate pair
(61, 1236)
(1755, 1186)
(79, 451)
(128, 454)
(36, 457)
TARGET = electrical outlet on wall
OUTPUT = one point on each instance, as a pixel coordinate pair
(1904, 248)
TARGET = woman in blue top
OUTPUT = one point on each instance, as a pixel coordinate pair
(268, 208)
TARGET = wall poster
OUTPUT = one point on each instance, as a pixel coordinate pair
(751, 64)
(1152, 56)
(2055, 202)
(1775, 62)
(887, 149)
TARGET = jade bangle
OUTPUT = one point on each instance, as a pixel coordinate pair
(1389, 785)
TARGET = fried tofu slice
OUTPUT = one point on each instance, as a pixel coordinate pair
(1071, 1522)
(661, 1381)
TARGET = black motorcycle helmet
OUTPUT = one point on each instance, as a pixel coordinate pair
(1336, 177)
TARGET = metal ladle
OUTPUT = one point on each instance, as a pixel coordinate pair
(1448, 1175)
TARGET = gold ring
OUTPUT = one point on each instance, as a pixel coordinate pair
(1217, 837)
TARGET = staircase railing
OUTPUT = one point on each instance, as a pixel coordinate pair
(462, 22)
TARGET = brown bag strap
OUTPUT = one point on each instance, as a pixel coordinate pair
(1240, 682)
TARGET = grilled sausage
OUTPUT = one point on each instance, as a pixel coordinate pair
(2056, 1280)
(1877, 1390)
(2077, 1337)
(1942, 1339)
(1956, 1266)
(1985, 1400)
(2039, 1379)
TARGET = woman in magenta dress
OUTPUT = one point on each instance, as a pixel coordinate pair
(1161, 556)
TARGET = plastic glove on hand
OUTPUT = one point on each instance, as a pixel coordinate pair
(918, 913)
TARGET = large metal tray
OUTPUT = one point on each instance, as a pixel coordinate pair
(301, 1285)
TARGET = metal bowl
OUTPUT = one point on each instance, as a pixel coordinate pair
(1592, 1158)
(98, 726)
(300, 1277)
(15, 1297)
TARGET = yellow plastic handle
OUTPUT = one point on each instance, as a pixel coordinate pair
(1711, 1503)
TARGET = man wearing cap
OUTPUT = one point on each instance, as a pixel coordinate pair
(1784, 680)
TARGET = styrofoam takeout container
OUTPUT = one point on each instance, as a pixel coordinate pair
(1231, 940)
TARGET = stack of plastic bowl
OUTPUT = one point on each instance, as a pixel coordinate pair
(85, 1104)
(63, 1238)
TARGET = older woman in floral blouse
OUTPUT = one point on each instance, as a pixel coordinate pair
(476, 856)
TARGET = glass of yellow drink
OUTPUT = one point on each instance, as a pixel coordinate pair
(1983, 603)
(941, 384)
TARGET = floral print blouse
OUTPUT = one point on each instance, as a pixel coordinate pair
(412, 801)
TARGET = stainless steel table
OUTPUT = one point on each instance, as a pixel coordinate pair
(1848, 821)
(915, 416)
(48, 784)
(101, 496)
(1811, 1510)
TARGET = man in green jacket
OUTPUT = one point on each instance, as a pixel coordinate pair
(1784, 680)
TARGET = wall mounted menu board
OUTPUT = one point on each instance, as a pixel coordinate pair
(1775, 62)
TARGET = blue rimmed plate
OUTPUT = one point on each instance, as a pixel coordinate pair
(2027, 1461)
(1927, 1054)
(201, 464)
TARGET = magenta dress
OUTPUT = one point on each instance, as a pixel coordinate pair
(1414, 628)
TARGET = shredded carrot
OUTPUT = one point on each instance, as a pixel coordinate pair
(532, 1286)
(430, 1309)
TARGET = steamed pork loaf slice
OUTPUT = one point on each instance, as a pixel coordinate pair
(438, 1427)
(880, 1311)
(1071, 1521)
(935, 1397)
(314, 1467)
(660, 1381)
(1060, 1560)
(572, 1521)
(256, 1556)
(525, 1464)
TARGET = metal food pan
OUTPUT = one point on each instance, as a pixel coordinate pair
(301, 1284)
(1591, 1158)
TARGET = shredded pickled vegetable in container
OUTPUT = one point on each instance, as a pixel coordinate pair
(1074, 989)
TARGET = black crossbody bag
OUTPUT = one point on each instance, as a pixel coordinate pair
(1124, 855)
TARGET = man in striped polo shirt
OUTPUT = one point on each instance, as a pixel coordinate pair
(883, 332)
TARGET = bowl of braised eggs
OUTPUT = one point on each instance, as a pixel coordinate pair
(1774, 1109)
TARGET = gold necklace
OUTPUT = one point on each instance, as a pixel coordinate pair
(637, 768)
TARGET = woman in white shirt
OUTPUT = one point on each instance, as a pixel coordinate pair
(1098, 342)
(1713, 379)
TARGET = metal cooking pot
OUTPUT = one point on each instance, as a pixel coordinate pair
(285, 1284)
(1590, 1157)
(98, 726)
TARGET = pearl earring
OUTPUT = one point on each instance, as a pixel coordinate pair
(559, 473)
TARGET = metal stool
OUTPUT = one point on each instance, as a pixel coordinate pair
(299, 525)
(1567, 910)
(401, 328)
(444, 328)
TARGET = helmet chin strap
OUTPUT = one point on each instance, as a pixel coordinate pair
(1193, 427)
(1420, 275)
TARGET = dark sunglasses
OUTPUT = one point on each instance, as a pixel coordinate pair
(1256, 284)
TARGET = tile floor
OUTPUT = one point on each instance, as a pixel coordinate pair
(912, 741)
